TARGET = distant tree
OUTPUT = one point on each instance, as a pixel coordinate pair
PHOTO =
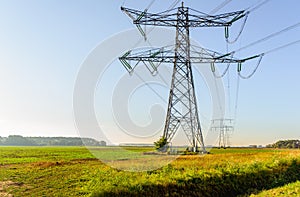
(92, 142)
(102, 143)
(285, 144)
(18, 140)
(161, 144)
(269, 146)
(2, 140)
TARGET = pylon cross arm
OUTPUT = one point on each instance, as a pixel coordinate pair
(154, 57)
(195, 18)
(145, 18)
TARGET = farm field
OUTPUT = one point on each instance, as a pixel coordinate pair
(74, 171)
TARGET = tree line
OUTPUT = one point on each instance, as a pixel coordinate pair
(18, 140)
(285, 144)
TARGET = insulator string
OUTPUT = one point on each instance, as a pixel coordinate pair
(240, 32)
(223, 74)
(225, 71)
(149, 30)
(265, 53)
(254, 71)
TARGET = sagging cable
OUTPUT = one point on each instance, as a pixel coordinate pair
(240, 32)
(255, 69)
(213, 69)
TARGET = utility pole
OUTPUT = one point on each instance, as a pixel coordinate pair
(182, 106)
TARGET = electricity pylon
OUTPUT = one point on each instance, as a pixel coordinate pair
(182, 106)
(224, 127)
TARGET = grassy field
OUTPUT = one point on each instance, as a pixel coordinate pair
(74, 171)
(290, 190)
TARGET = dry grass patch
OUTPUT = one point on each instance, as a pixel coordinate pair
(4, 185)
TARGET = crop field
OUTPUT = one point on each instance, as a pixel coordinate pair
(74, 171)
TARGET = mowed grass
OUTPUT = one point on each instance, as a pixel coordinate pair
(19, 155)
(74, 171)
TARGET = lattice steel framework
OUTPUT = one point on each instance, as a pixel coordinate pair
(182, 106)
(224, 127)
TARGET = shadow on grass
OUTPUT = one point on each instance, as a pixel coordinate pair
(226, 184)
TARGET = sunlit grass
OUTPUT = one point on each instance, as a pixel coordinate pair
(74, 171)
(14, 155)
(290, 190)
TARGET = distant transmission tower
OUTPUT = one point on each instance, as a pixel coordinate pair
(182, 106)
(224, 127)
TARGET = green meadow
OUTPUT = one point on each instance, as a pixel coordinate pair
(74, 171)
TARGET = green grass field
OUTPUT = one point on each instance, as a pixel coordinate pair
(74, 171)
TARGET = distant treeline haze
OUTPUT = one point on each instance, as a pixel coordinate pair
(285, 144)
(18, 140)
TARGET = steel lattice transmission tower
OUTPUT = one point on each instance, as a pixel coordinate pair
(224, 127)
(182, 106)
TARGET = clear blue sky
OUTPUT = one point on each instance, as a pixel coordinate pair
(44, 42)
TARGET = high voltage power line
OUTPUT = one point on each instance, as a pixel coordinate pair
(270, 36)
(183, 54)
(182, 107)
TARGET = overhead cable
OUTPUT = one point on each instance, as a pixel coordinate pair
(251, 9)
(219, 7)
(270, 36)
